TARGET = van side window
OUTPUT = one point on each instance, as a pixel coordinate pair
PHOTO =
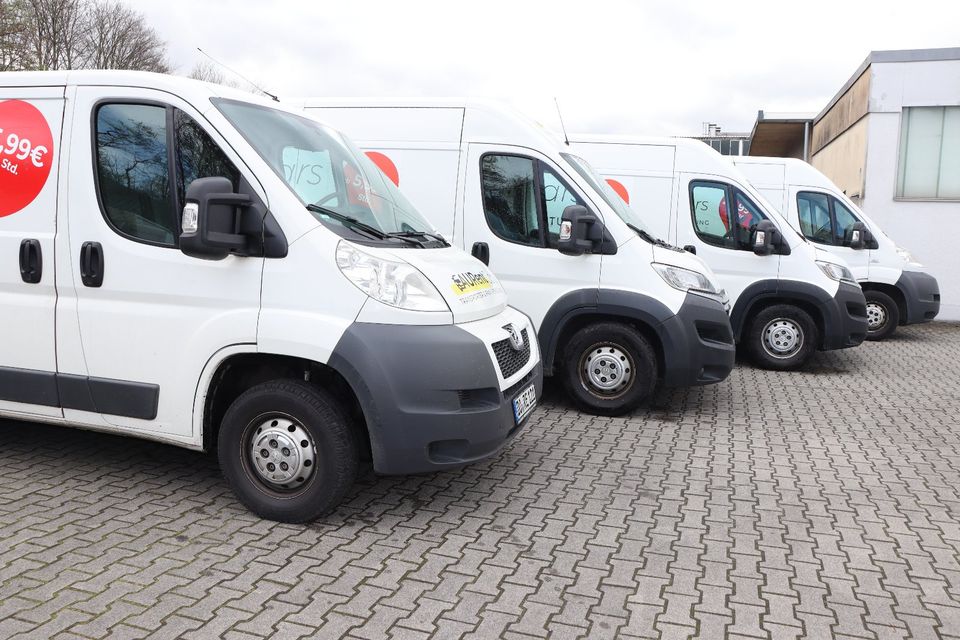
(746, 216)
(814, 213)
(133, 171)
(708, 206)
(510, 198)
(557, 196)
(717, 221)
(843, 219)
(198, 156)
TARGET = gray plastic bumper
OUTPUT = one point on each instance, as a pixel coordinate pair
(845, 318)
(698, 346)
(430, 395)
(922, 295)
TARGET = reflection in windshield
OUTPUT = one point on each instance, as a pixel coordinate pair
(322, 168)
(623, 211)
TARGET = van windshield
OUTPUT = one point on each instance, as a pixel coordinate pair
(623, 211)
(338, 183)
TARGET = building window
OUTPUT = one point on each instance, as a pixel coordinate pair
(929, 163)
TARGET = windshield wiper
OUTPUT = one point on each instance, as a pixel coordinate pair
(352, 223)
(421, 234)
(651, 239)
(348, 221)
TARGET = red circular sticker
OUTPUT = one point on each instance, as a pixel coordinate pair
(386, 165)
(621, 190)
(26, 154)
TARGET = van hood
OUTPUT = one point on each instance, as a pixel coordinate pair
(469, 288)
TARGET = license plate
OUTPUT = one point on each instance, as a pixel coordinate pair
(524, 403)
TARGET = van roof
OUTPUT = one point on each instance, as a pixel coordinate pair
(484, 120)
(148, 80)
(796, 171)
(690, 153)
(610, 138)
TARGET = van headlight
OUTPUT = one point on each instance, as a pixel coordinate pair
(837, 272)
(687, 280)
(397, 284)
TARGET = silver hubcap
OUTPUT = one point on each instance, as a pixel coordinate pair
(782, 338)
(282, 453)
(876, 316)
(607, 369)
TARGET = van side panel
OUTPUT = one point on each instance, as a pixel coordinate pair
(31, 124)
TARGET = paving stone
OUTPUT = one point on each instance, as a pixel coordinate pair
(810, 504)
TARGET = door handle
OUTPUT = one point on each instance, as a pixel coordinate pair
(690, 248)
(481, 251)
(91, 264)
(31, 261)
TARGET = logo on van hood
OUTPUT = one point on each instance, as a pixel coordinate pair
(516, 338)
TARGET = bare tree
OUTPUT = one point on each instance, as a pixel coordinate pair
(14, 26)
(208, 72)
(117, 37)
(77, 34)
(56, 33)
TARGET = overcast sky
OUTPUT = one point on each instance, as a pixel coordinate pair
(615, 66)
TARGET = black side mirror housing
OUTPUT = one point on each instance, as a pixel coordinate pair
(765, 238)
(582, 232)
(212, 226)
(856, 236)
(576, 229)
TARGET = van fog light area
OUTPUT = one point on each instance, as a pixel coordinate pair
(448, 450)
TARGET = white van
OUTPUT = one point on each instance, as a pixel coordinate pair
(898, 289)
(789, 298)
(176, 283)
(616, 310)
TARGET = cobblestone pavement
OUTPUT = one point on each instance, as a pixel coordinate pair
(808, 504)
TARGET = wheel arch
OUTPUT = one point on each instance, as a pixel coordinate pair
(766, 293)
(577, 309)
(240, 370)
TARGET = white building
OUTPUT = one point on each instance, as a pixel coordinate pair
(890, 139)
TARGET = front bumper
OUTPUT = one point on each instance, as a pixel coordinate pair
(922, 295)
(845, 318)
(431, 396)
(698, 345)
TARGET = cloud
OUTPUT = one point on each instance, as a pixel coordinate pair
(614, 65)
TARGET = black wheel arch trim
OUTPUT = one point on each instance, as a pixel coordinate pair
(613, 303)
(774, 290)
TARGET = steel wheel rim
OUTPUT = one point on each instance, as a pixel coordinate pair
(782, 338)
(606, 370)
(876, 316)
(280, 453)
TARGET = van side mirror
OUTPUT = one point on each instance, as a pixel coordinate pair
(857, 237)
(765, 238)
(576, 227)
(212, 218)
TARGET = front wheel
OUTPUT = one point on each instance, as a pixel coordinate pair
(609, 368)
(883, 315)
(287, 451)
(782, 337)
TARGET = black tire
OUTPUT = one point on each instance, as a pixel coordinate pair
(883, 315)
(634, 356)
(288, 409)
(782, 321)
